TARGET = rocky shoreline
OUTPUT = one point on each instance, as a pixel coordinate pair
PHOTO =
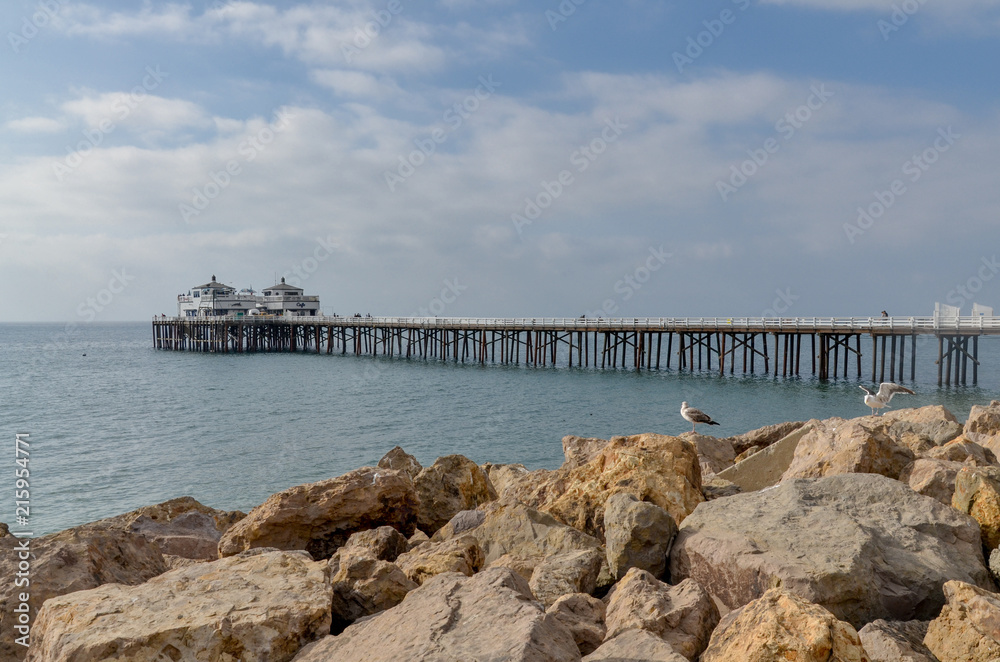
(869, 539)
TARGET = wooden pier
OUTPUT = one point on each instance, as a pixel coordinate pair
(834, 346)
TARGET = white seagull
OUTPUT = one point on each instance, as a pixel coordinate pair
(885, 392)
(695, 416)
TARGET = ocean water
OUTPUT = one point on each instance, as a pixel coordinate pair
(115, 425)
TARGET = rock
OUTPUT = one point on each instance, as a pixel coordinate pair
(453, 483)
(838, 446)
(995, 564)
(716, 488)
(257, 607)
(896, 641)
(983, 426)
(465, 520)
(507, 478)
(781, 626)
(965, 451)
(462, 554)
(562, 574)
(179, 527)
(384, 543)
(522, 565)
(862, 546)
(637, 535)
(683, 615)
(656, 468)
(76, 559)
(578, 451)
(922, 428)
(635, 646)
(763, 437)
(491, 616)
(933, 478)
(320, 517)
(364, 585)
(968, 629)
(417, 538)
(399, 460)
(714, 455)
(583, 616)
(977, 493)
(764, 469)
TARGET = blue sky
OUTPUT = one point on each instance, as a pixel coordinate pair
(502, 158)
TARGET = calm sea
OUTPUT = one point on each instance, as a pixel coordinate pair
(115, 425)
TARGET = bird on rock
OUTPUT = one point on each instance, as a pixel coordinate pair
(881, 399)
(695, 416)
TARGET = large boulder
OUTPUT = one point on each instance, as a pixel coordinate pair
(780, 626)
(461, 554)
(765, 468)
(714, 455)
(933, 478)
(963, 450)
(896, 641)
(983, 426)
(399, 460)
(76, 559)
(635, 646)
(968, 629)
(583, 616)
(838, 446)
(656, 468)
(578, 451)
(761, 438)
(364, 585)
(861, 545)
(384, 543)
(977, 493)
(683, 615)
(320, 517)
(452, 484)
(490, 616)
(563, 574)
(507, 479)
(637, 535)
(922, 428)
(251, 607)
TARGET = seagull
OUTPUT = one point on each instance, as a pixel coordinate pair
(695, 416)
(885, 392)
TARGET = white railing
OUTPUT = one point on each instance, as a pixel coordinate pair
(917, 325)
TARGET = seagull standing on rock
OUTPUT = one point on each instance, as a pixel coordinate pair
(885, 392)
(695, 416)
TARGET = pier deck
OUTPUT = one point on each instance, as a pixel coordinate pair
(754, 343)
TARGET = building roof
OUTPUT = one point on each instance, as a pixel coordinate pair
(214, 285)
(282, 286)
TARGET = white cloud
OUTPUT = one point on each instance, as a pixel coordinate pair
(356, 83)
(139, 113)
(35, 125)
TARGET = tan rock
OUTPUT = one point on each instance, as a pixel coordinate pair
(507, 477)
(524, 566)
(637, 535)
(251, 607)
(977, 493)
(320, 517)
(399, 460)
(76, 559)
(635, 646)
(968, 629)
(384, 543)
(452, 484)
(562, 574)
(780, 626)
(765, 468)
(716, 488)
(462, 554)
(578, 451)
(896, 641)
(714, 455)
(838, 446)
(490, 616)
(921, 428)
(364, 585)
(983, 426)
(583, 616)
(683, 615)
(963, 450)
(761, 438)
(933, 478)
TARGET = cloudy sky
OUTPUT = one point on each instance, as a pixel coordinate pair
(502, 158)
